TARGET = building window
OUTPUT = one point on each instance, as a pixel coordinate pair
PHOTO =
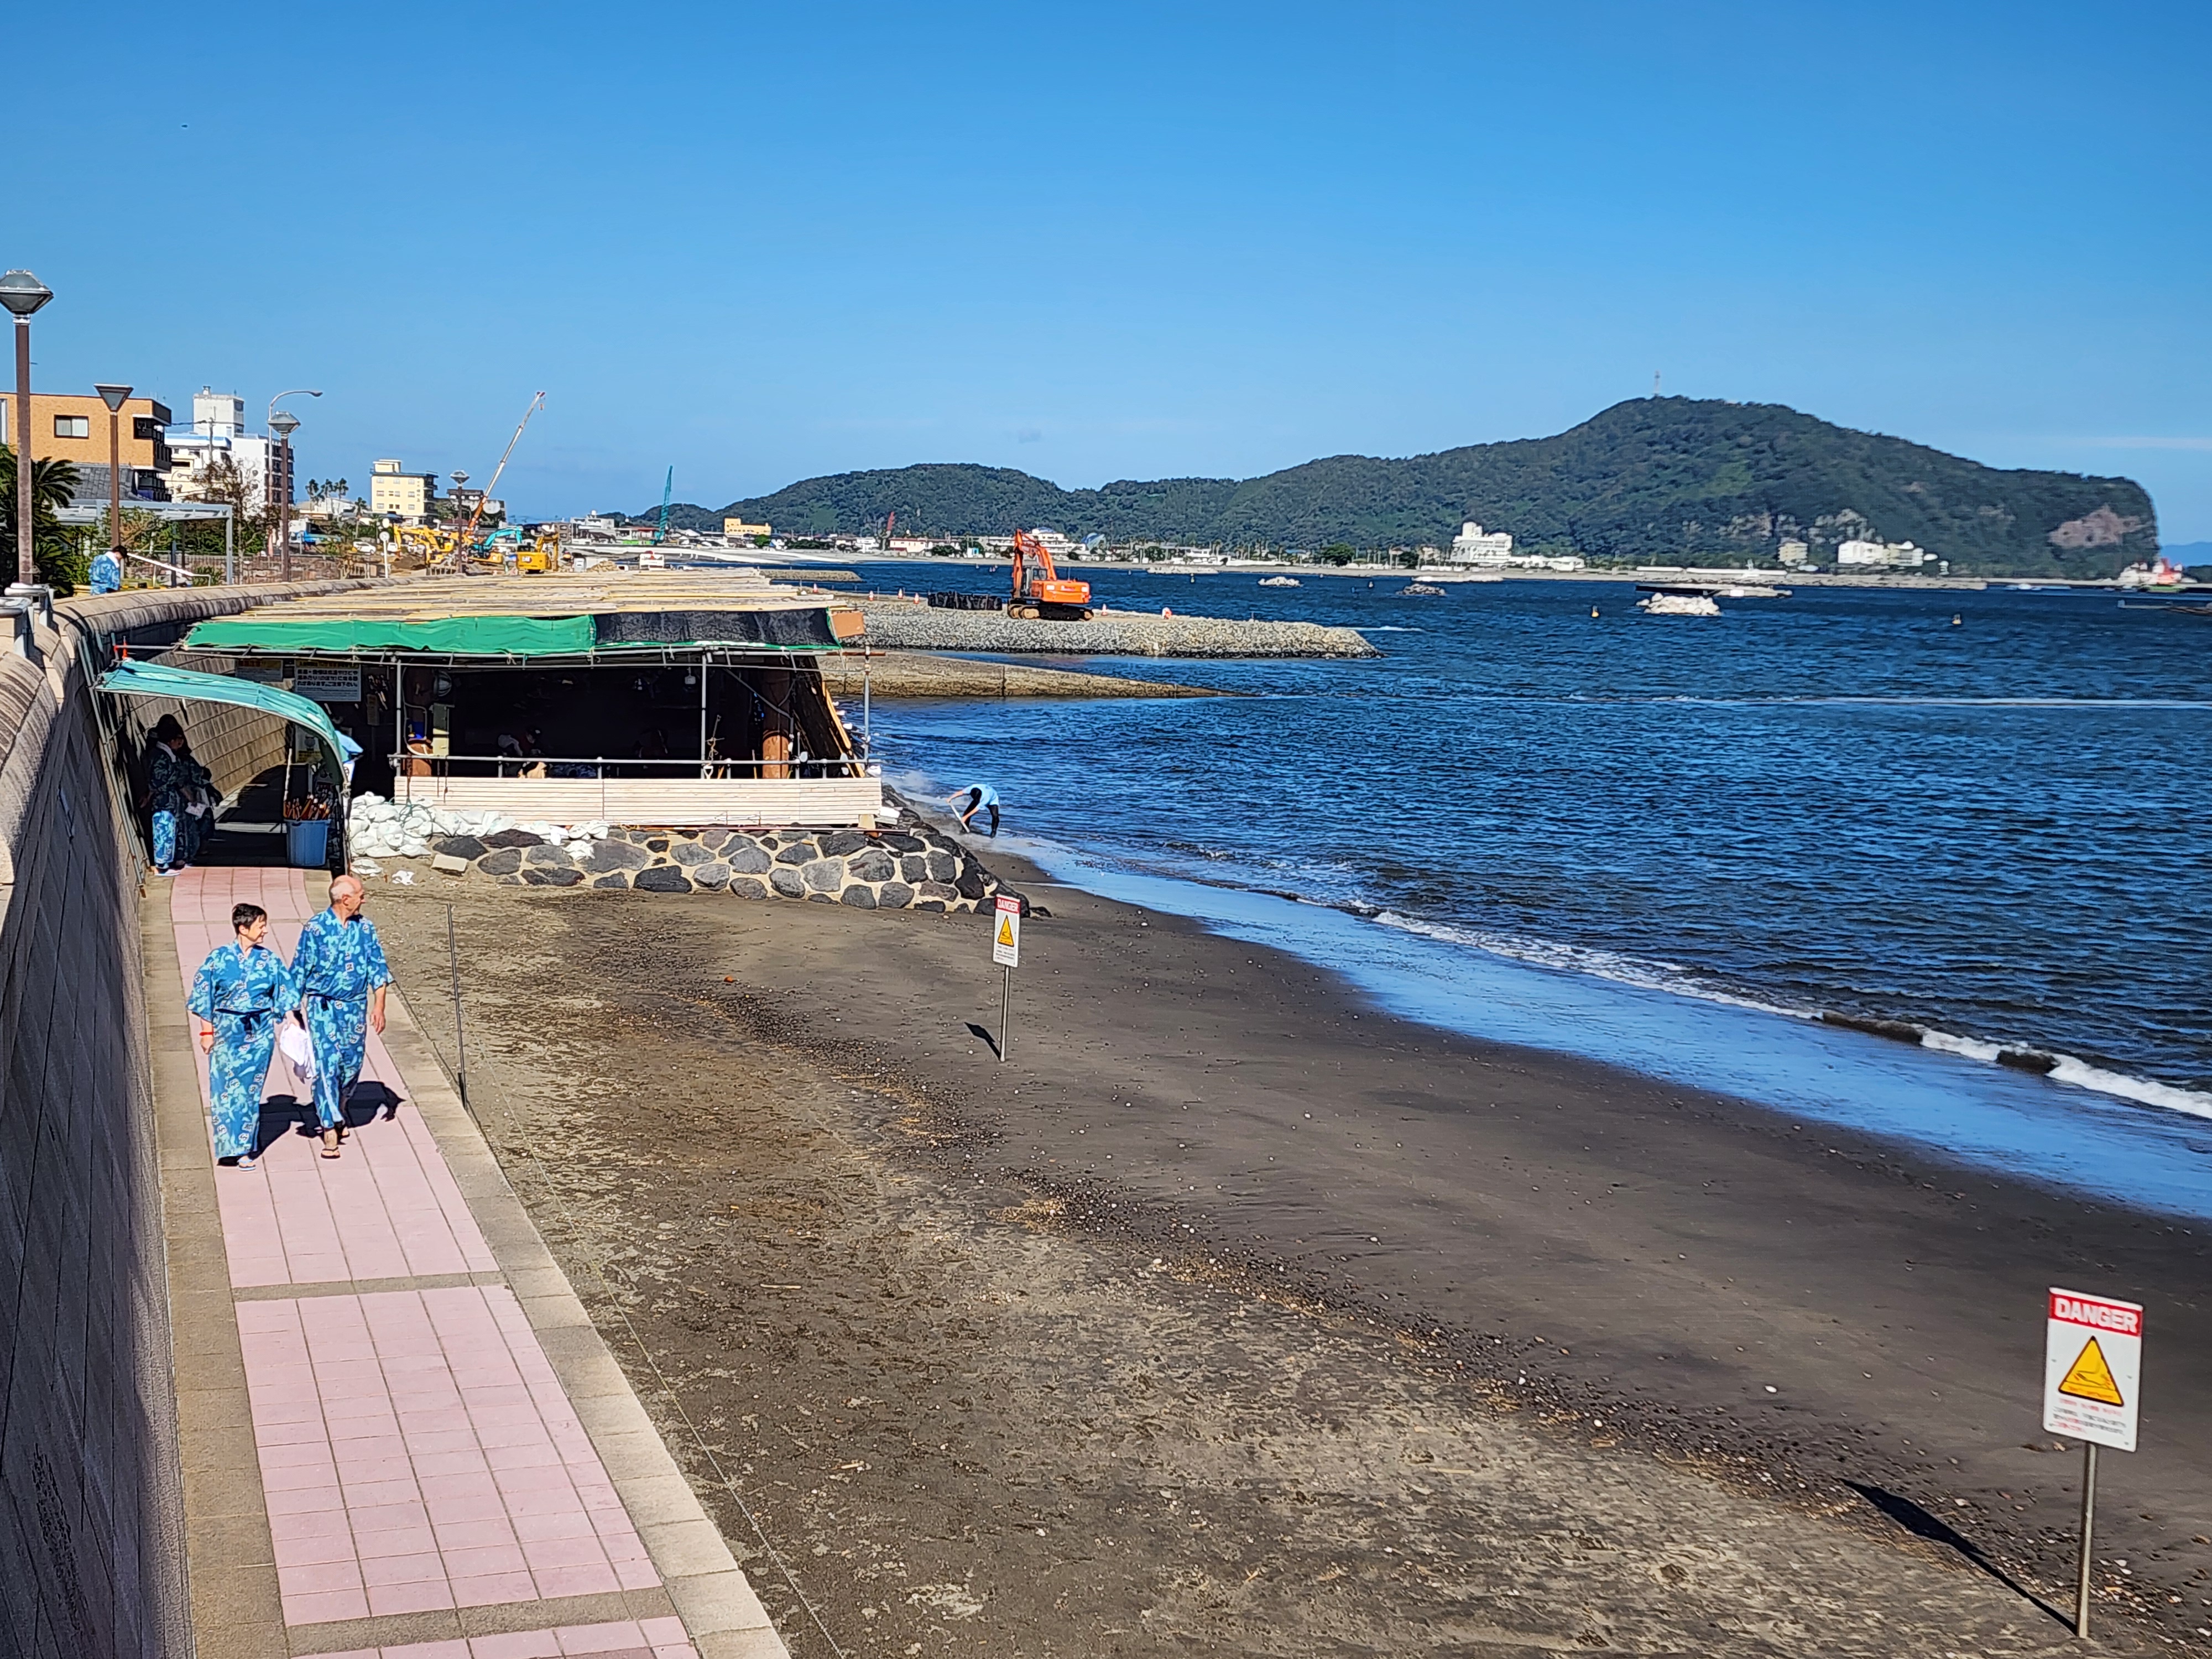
(72, 426)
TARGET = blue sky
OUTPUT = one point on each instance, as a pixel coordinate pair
(759, 243)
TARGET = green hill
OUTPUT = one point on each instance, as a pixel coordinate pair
(1654, 480)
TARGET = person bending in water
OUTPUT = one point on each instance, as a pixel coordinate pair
(980, 798)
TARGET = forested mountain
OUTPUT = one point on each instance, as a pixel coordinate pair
(1651, 480)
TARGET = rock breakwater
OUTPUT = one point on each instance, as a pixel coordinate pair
(912, 625)
(908, 869)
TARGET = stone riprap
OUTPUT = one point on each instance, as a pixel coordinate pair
(907, 869)
(907, 625)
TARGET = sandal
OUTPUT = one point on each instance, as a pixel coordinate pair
(243, 1162)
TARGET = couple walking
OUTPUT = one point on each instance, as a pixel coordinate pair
(245, 991)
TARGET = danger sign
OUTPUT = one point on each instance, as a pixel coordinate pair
(2093, 1369)
(1007, 933)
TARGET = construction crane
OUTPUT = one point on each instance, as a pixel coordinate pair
(660, 530)
(1039, 589)
(469, 536)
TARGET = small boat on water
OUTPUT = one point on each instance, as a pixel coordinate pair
(1280, 581)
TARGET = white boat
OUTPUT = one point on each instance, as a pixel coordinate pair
(1679, 605)
(1280, 581)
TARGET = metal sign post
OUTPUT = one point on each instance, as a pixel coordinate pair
(2092, 1372)
(1007, 951)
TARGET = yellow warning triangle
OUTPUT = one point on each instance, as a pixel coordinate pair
(1007, 937)
(2091, 1378)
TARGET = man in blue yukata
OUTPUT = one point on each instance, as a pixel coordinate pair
(243, 992)
(341, 977)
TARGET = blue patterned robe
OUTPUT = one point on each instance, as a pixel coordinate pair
(244, 993)
(338, 964)
(169, 776)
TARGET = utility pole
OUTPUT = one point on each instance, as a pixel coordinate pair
(114, 397)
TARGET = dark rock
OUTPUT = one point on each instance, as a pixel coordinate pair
(548, 857)
(615, 879)
(821, 898)
(898, 842)
(942, 866)
(688, 853)
(824, 875)
(712, 877)
(786, 881)
(943, 891)
(790, 852)
(747, 857)
(615, 855)
(893, 896)
(504, 862)
(838, 843)
(514, 880)
(459, 846)
(661, 879)
(746, 887)
(871, 863)
(930, 904)
(538, 877)
(505, 838)
(716, 837)
(860, 898)
(914, 866)
(656, 843)
(971, 881)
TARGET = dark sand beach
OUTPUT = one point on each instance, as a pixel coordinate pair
(1232, 1314)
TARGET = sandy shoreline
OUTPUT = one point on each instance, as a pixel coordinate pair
(918, 674)
(1647, 1258)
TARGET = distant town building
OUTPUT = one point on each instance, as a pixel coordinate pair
(1888, 555)
(67, 428)
(218, 429)
(393, 489)
(739, 527)
(1053, 539)
(1473, 546)
(912, 543)
(1794, 553)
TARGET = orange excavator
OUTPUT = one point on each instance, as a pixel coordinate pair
(1039, 590)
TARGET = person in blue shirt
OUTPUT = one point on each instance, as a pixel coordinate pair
(341, 977)
(980, 798)
(242, 994)
(107, 572)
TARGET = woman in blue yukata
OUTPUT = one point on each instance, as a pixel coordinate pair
(242, 993)
(341, 977)
(173, 777)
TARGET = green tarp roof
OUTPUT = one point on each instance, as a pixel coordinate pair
(154, 679)
(461, 636)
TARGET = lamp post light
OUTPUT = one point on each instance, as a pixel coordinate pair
(23, 294)
(459, 556)
(114, 397)
(284, 423)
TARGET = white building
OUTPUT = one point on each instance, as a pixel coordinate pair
(1881, 556)
(393, 489)
(1794, 553)
(1472, 546)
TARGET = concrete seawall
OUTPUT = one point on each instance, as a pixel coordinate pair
(93, 1497)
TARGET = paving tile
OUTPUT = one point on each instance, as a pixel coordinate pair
(416, 1448)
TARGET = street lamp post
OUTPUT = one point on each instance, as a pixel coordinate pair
(284, 423)
(23, 294)
(460, 556)
(114, 397)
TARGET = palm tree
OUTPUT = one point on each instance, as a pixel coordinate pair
(55, 554)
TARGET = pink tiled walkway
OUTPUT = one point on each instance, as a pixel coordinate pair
(418, 1451)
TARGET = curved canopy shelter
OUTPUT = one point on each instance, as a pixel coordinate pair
(154, 679)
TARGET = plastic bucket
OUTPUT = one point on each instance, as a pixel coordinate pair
(307, 843)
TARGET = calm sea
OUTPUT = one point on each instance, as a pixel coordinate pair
(1674, 842)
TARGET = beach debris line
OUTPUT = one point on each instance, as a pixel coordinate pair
(2092, 1364)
